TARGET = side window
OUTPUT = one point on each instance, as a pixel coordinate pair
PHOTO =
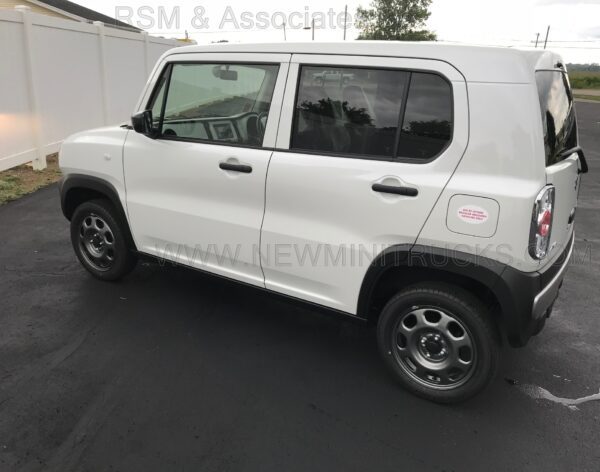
(427, 123)
(219, 102)
(348, 110)
(372, 112)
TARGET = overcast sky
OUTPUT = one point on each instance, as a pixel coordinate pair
(574, 32)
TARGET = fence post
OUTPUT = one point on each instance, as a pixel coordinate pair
(39, 162)
(146, 53)
(103, 79)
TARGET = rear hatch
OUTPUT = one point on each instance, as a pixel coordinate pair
(564, 159)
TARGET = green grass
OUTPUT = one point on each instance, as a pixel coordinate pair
(15, 183)
(10, 188)
(584, 80)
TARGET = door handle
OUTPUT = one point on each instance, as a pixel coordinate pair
(396, 190)
(244, 168)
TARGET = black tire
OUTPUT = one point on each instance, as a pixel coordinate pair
(100, 240)
(434, 360)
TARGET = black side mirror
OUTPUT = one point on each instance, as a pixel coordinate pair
(142, 123)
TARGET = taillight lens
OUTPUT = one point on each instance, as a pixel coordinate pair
(541, 223)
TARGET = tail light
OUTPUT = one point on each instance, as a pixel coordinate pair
(541, 223)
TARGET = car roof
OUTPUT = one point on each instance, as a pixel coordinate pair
(475, 63)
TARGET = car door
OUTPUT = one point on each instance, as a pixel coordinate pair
(195, 193)
(359, 164)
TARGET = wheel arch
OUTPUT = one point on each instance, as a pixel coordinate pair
(403, 265)
(76, 189)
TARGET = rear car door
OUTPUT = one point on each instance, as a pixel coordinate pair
(562, 162)
(359, 164)
(195, 194)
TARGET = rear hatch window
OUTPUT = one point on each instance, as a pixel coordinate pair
(558, 114)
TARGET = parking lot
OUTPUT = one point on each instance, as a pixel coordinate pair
(171, 370)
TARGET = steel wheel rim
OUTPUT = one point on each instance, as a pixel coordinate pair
(434, 348)
(97, 242)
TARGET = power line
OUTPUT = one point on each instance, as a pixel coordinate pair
(530, 44)
(574, 41)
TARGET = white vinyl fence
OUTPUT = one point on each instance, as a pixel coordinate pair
(59, 76)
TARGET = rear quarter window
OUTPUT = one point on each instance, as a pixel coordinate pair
(558, 114)
(372, 113)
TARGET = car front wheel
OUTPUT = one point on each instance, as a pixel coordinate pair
(99, 240)
(439, 341)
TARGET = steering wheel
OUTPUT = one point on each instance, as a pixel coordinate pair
(262, 123)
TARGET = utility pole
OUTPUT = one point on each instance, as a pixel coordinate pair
(547, 33)
(537, 39)
(311, 27)
(345, 20)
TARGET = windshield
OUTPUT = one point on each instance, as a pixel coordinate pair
(558, 114)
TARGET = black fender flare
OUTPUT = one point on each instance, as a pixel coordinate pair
(80, 182)
(513, 289)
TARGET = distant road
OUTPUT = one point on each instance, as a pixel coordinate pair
(594, 92)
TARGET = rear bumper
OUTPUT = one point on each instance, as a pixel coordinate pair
(545, 298)
(529, 297)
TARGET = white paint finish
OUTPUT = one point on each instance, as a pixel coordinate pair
(98, 153)
(59, 90)
(476, 63)
(183, 207)
(324, 205)
(565, 178)
(322, 222)
(504, 162)
(472, 216)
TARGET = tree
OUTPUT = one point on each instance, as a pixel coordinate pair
(400, 20)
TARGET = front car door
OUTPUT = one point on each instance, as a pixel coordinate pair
(195, 194)
(360, 163)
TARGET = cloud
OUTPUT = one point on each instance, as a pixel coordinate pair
(593, 32)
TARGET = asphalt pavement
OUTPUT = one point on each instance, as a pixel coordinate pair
(171, 370)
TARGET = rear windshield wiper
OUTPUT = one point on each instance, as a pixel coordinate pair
(580, 154)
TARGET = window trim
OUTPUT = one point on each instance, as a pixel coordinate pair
(165, 73)
(168, 69)
(395, 158)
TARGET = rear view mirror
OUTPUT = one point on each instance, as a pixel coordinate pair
(223, 73)
(142, 123)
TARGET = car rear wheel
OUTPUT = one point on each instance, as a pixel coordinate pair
(99, 240)
(439, 341)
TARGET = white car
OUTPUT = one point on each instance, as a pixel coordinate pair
(434, 195)
(324, 76)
